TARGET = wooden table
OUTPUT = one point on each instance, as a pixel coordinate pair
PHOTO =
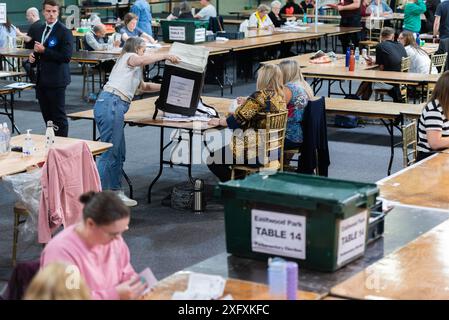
(141, 113)
(417, 271)
(15, 162)
(8, 106)
(238, 289)
(423, 184)
(304, 61)
(430, 48)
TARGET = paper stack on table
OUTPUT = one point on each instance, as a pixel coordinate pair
(202, 287)
(19, 85)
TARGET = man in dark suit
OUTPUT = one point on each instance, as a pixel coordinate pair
(53, 46)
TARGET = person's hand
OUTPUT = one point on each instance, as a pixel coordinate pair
(116, 44)
(153, 41)
(38, 47)
(131, 289)
(241, 100)
(215, 122)
(32, 58)
(333, 5)
(369, 60)
(172, 58)
(435, 39)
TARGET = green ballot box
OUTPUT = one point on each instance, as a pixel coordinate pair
(185, 31)
(320, 223)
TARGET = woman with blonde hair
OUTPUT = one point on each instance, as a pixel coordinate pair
(297, 94)
(58, 281)
(269, 97)
(433, 125)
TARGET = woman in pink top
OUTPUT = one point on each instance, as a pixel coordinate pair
(96, 247)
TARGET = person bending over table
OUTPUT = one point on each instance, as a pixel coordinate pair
(389, 54)
(95, 247)
(112, 104)
(433, 125)
(269, 97)
(297, 94)
(130, 29)
(291, 7)
(260, 18)
(419, 59)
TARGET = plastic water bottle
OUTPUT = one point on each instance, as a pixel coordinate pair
(2, 141)
(357, 55)
(304, 18)
(7, 135)
(292, 280)
(418, 40)
(348, 57)
(49, 136)
(277, 278)
(28, 147)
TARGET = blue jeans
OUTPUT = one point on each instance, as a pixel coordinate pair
(109, 113)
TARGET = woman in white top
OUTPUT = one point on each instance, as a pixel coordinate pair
(419, 60)
(112, 104)
(260, 18)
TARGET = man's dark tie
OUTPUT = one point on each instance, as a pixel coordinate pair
(47, 31)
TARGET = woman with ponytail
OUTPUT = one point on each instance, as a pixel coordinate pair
(96, 250)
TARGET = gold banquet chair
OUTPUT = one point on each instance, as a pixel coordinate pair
(409, 143)
(273, 138)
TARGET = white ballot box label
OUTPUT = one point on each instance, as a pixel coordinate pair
(180, 91)
(278, 233)
(200, 35)
(351, 237)
(177, 33)
(2, 12)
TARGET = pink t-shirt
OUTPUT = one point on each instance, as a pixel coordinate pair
(102, 267)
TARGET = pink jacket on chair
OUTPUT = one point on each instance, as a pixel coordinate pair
(67, 173)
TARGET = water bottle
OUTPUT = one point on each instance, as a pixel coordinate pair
(418, 40)
(357, 55)
(49, 136)
(198, 198)
(28, 147)
(352, 62)
(348, 57)
(292, 280)
(7, 135)
(277, 278)
(304, 18)
(2, 141)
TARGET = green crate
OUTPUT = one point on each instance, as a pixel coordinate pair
(186, 31)
(319, 222)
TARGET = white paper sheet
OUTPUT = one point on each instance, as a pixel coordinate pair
(202, 287)
(180, 91)
(193, 58)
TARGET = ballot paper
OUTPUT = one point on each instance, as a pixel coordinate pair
(193, 58)
(202, 287)
(154, 45)
(19, 85)
(148, 277)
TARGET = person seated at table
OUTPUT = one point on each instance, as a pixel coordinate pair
(130, 29)
(307, 4)
(183, 11)
(96, 249)
(297, 93)
(9, 34)
(433, 125)
(208, 11)
(412, 15)
(275, 14)
(389, 54)
(95, 39)
(291, 7)
(269, 97)
(381, 6)
(50, 283)
(260, 18)
(419, 59)
(112, 104)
